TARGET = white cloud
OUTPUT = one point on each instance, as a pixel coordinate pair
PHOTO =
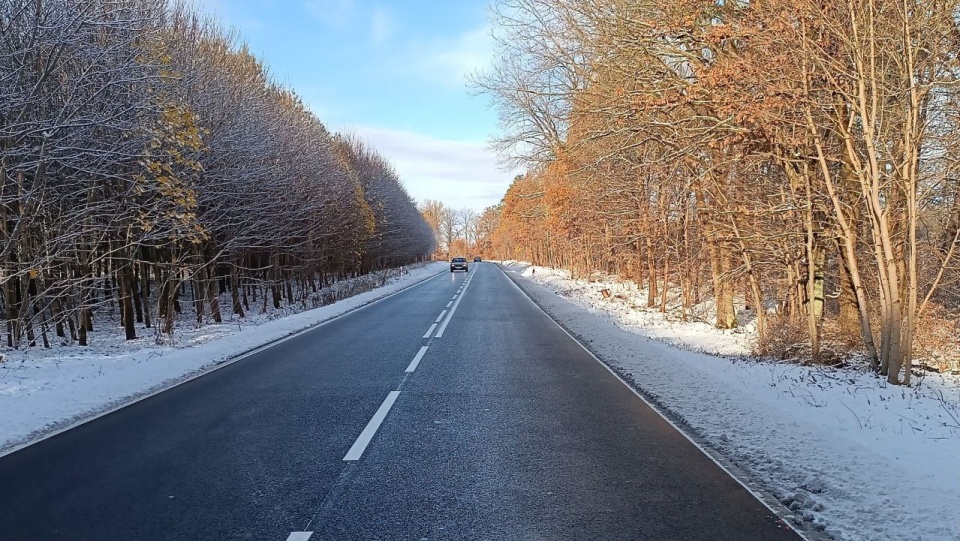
(450, 60)
(459, 173)
(346, 15)
(381, 25)
(335, 13)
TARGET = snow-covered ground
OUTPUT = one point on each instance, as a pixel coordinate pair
(42, 391)
(853, 457)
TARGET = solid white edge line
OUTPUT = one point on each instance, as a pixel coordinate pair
(299, 536)
(430, 330)
(440, 316)
(209, 369)
(416, 360)
(443, 326)
(752, 491)
(370, 430)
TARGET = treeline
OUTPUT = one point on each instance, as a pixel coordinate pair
(800, 155)
(145, 152)
(460, 232)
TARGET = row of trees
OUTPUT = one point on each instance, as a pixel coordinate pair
(143, 150)
(799, 152)
(460, 232)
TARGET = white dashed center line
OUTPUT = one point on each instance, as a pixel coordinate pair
(416, 360)
(299, 536)
(430, 330)
(443, 326)
(360, 445)
(440, 316)
(449, 303)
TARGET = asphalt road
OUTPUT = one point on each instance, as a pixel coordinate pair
(493, 424)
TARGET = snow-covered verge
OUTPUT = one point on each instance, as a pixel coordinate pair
(42, 391)
(851, 456)
(627, 305)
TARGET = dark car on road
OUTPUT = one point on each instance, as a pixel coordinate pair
(458, 263)
(476, 259)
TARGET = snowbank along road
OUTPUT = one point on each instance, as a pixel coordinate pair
(454, 410)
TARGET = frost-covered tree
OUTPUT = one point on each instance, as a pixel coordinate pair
(147, 157)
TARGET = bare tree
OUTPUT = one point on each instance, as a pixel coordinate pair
(147, 156)
(793, 147)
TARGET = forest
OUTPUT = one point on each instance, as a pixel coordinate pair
(796, 160)
(148, 159)
(459, 232)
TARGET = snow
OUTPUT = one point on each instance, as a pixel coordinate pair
(42, 391)
(628, 304)
(851, 456)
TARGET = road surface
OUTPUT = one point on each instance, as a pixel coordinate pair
(453, 410)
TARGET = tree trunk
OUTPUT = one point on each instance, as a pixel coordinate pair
(722, 286)
(85, 322)
(652, 292)
(814, 293)
(212, 294)
(58, 315)
(275, 283)
(126, 302)
(663, 293)
(168, 293)
(198, 288)
(145, 293)
(14, 329)
(38, 311)
(849, 318)
(235, 292)
(134, 294)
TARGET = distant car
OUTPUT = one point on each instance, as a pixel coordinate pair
(458, 263)
(476, 259)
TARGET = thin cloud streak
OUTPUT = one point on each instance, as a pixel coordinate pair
(381, 25)
(333, 13)
(449, 61)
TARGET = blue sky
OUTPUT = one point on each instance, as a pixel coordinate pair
(393, 72)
